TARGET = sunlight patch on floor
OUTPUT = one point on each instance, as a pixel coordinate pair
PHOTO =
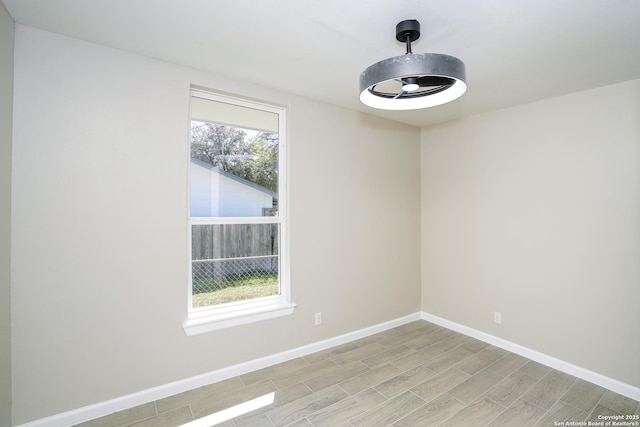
(232, 412)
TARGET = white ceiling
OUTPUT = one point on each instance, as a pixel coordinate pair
(515, 51)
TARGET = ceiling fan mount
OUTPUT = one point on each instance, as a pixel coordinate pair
(408, 30)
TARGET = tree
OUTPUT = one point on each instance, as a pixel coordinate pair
(264, 164)
(247, 154)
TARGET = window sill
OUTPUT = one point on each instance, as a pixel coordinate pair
(214, 319)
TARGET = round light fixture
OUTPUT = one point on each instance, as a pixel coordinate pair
(413, 80)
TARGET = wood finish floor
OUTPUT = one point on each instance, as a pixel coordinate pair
(418, 374)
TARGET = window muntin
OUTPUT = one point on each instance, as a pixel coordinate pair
(237, 204)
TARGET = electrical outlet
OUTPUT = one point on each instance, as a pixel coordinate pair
(497, 317)
(318, 319)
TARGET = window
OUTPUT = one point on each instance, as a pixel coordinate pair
(237, 224)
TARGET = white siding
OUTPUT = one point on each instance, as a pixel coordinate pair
(213, 194)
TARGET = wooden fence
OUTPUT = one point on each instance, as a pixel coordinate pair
(233, 240)
(222, 251)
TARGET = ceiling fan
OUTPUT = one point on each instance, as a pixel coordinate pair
(412, 81)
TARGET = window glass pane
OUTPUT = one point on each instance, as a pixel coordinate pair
(234, 262)
(234, 161)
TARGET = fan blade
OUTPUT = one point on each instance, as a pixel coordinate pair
(434, 81)
(399, 95)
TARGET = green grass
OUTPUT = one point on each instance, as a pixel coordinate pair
(239, 290)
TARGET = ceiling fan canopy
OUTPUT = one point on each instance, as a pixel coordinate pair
(412, 81)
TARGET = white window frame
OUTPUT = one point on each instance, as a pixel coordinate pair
(205, 319)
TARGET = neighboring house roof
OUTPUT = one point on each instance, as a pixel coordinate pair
(234, 177)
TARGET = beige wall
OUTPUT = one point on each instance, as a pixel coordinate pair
(99, 249)
(6, 108)
(534, 211)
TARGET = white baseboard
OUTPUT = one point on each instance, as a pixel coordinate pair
(145, 396)
(97, 410)
(585, 374)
